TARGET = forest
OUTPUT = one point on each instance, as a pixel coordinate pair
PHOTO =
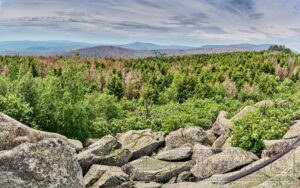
(85, 98)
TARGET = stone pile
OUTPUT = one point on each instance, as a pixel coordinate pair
(189, 157)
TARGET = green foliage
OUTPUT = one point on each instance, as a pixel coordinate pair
(115, 86)
(78, 98)
(16, 107)
(169, 117)
(280, 48)
(265, 123)
(76, 53)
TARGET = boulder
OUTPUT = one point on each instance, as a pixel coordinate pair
(91, 141)
(47, 163)
(226, 122)
(95, 152)
(76, 144)
(223, 162)
(218, 144)
(184, 176)
(294, 131)
(283, 172)
(192, 135)
(211, 138)
(267, 103)
(219, 129)
(141, 142)
(116, 158)
(222, 114)
(176, 154)
(14, 133)
(150, 169)
(250, 180)
(222, 119)
(105, 176)
(200, 153)
(140, 184)
(273, 147)
(243, 112)
(182, 185)
(172, 180)
(251, 108)
(227, 144)
(147, 185)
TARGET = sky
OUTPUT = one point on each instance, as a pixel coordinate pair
(180, 22)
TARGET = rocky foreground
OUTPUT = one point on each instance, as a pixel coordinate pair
(188, 157)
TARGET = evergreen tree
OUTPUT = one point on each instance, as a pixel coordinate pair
(116, 87)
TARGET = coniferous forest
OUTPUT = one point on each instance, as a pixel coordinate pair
(85, 98)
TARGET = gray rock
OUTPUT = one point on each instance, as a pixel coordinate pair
(14, 133)
(243, 112)
(283, 172)
(200, 153)
(222, 114)
(184, 176)
(251, 108)
(182, 185)
(129, 184)
(147, 185)
(47, 163)
(223, 162)
(149, 169)
(226, 122)
(76, 144)
(116, 158)
(172, 180)
(141, 142)
(140, 184)
(210, 136)
(218, 144)
(267, 103)
(105, 176)
(273, 147)
(176, 154)
(95, 152)
(219, 129)
(222, 119)
(250, 180)
(192, 135)
(294, 131)
(227, 144)
(91, 141)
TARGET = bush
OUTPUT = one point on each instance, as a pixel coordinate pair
(265, 123)
(15, 106)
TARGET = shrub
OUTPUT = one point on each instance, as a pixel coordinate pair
(265, 123)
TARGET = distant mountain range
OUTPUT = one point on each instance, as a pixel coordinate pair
(151, 46)
(39, 47)
(132, 50)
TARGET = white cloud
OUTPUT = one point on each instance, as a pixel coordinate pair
(207, 21)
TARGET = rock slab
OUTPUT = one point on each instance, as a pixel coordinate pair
(176, 154)
(105, 176)
(141, 142)
(223, 162)
(150, 169)
(48, 163)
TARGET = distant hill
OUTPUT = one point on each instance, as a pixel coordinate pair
(39, 47)
(151, 46)
(253, 47)
(104, 51)
(132, 50)
(119, 52)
